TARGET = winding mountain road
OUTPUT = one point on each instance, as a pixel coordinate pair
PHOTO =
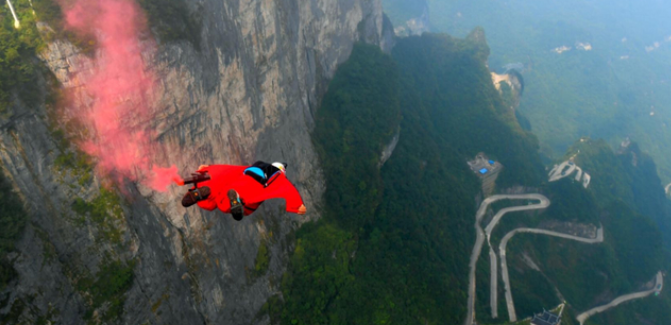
(480, 238)
(578, 174)
(493, 280)
(659, 283)
(504, 266)
(556, 173)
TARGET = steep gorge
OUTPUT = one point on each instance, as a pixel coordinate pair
(392, 233)
(248, 90)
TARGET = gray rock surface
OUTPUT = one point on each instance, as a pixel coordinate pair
(388, 150)
(249, 93)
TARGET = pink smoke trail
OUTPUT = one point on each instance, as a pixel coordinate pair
(120, 88)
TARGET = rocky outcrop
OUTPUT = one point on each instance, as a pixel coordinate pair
(389, 148)
(249, 92)
(515, 87)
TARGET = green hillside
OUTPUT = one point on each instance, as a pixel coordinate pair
(13, 218)
(633, 251)
(628, 175)
(607, 92)
(394, 241)
(393, 244)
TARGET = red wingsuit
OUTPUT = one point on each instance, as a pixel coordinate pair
(252, 193)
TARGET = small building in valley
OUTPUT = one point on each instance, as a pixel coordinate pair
(546, 318)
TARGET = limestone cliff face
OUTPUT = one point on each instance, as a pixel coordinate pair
(249, 93)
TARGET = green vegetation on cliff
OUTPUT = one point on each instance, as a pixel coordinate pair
(105, 213)
(359, 115)
(27, 83)
(19, 73)
(322, 285)
(106, 290)
(13, 218)
(172, 20)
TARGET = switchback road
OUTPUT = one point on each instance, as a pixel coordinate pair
(480, 237)
(504, 266)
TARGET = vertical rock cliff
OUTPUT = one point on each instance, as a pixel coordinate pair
(130, 255)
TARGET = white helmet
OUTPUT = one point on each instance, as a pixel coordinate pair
(280, 166)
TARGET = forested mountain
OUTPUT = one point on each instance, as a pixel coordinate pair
(594, 68)
(394, 242)
(626, 199)
(407, 227)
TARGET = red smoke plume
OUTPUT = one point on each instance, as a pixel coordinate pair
(120, 89)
